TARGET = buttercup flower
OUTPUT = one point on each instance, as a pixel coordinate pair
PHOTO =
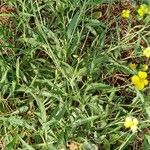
(140, 80)
(146, 52)
(125, 13)
(145, 67)
(143, 9)
(132, 66)
(131, 122)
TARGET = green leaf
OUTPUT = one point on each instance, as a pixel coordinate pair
(29, 147)
(16, 121)
(89, 146)
(140, 95)
(84, 121)
(4, 76)
(12, 143)
(146, 142)
(106, 144)
(148, 111)
(97, 86)
(72, 25)
(17, 69)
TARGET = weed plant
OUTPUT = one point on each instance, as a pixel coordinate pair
(65, 75)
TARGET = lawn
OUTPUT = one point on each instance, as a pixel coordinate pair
(74, 75)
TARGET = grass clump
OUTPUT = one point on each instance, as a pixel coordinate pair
(67, 70)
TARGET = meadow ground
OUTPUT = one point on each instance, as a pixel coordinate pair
(74, 74)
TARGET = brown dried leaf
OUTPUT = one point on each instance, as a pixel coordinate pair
(2, 145)
(72, 145)
(5, 10)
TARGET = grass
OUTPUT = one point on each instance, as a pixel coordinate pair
(65, 75)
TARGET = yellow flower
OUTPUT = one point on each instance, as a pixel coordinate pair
(143, 9)
(131, 123)
(144, 67)
(133, 66)
(142, 74)
(146, 52)
(125, 13)
(140, 80)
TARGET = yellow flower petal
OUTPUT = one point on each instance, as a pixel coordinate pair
(142, 74)
(145, 82)
(131, 123)
(146, 52)
(139, 86)
(135, 121)
(139, 80)
(143, 9)
(141, 12)
(128, 122)
(135, 79)
(125, 13)
(133, 128)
